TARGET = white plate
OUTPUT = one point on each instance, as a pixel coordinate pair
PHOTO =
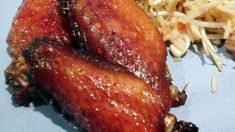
(210, 112)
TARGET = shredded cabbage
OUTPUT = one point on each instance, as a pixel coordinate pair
(182, 22)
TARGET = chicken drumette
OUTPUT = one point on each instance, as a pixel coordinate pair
(117, 72)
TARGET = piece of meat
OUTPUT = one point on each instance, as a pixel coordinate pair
(120, 32)
(97, 94)
(100, 96)
(35, 18)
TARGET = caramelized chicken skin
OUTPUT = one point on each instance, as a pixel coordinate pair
(35, 18)
(120, 32)
(132, 94)
(102, 97)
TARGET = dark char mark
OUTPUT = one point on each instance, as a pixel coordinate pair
(78, 37)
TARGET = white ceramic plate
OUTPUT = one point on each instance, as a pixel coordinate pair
(210, 112)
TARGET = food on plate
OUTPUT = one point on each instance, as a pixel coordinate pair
(35, 18)
(122, 34)
(107, 69)
(184, 21)
(100, 96)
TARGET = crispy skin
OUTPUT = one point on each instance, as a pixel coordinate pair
(100, 96)
(35, 19)
(120, 32)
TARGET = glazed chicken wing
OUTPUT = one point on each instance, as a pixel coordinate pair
(102, 97)
(35, 18)
(116, 80)
(120, 32)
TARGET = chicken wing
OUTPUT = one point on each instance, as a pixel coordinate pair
(35, 18)
(101, 96)
(131, 94)
(120, 32)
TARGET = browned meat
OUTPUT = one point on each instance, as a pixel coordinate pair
(120, 32)
(127, 91)
(102, 97)
(35, 18)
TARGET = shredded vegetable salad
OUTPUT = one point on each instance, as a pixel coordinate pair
(183, 22)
